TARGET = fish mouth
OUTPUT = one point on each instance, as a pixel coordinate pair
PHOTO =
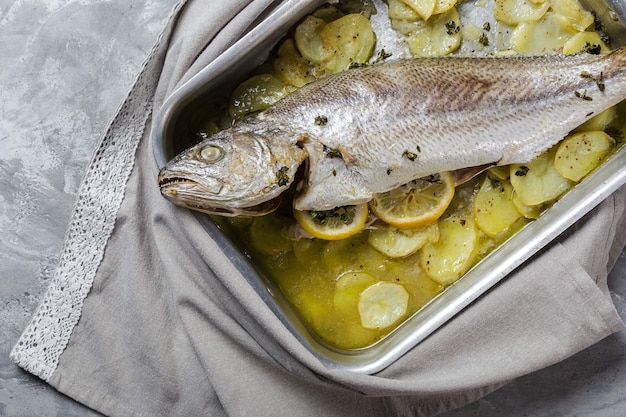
(192, 194)
(165, 182)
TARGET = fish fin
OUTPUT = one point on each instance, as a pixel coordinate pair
(463, 175)
(329, 182)
(349, 159)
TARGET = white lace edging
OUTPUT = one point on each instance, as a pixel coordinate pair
(91, 223)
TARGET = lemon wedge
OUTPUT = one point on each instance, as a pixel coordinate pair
(335, 224)
(415, 204)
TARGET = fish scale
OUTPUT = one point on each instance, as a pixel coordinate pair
(450, 113)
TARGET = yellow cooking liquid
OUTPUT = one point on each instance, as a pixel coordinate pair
(325, 280)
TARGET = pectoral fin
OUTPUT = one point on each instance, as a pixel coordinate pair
(329, 182)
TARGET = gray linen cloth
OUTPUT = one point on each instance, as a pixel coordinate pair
(146, 317)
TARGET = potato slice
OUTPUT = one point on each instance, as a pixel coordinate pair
(581, 153)
(348, 289)
(579, 18)
(398, 10)
(348, 40)
(255, 94)
(513, 12)
(545, 36)
(453, 254)
(291, 67)
(440, 36)
(338, 44)
(397, 243)
(494, 209)
(528, 212)
(308, 37)
(500, 172)
(328, 13)
(407, 27)
(424, 8)
(382, 304)
(442, 6)
(589, 42)
(538, 181)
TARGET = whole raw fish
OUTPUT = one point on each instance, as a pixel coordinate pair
(370, 129)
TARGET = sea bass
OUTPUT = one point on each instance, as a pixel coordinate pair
(371, 129)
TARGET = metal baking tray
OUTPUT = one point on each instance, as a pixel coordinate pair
(230, 68)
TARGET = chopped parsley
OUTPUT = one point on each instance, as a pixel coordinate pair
(282, 175)
(583, 95)
(345, 214)
(382, 55)
(592, 48)
(483, 39)
(332, 153)
(412, 156)
(432, 178)
(321, 121)
(599, 80)
(522, 171)
(452, 27)
(496, 183)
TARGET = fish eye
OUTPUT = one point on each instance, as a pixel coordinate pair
(211, 153)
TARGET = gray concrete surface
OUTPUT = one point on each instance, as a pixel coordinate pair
(65, 66)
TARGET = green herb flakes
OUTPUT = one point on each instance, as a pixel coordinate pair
(345, 214)
(592, 48)
(583, 95)
(332, 153)
(452, 27)
(598, 79)
(321, 121)
(412, 156)
(522, 171)
(282, 175)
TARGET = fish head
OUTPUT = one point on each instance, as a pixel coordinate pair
(232, 173)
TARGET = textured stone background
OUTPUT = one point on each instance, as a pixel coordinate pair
(65, 65)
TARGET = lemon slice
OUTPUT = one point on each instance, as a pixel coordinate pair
(415, 204)
(382, 304)
(335, 224)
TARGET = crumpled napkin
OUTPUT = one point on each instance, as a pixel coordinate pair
(145, 316)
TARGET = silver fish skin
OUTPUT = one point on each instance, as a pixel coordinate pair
(370, 129)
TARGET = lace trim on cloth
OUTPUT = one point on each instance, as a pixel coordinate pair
(100, 196)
